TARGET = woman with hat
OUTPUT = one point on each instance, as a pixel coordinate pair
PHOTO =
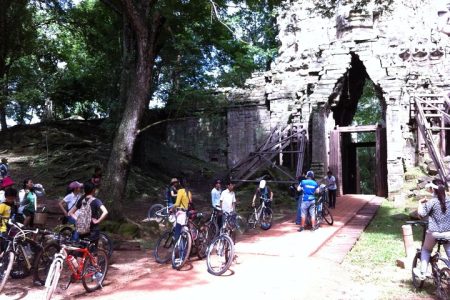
(70, 200)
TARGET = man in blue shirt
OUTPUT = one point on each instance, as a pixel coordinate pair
(309, 187)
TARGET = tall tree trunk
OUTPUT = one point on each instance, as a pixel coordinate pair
(117, 170)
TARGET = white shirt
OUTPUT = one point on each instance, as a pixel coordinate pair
(71, 199)
(215, 197)
(227, 198)
(331, 182)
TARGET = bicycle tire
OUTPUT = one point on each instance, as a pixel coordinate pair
(151, 214)
(251, 220)
(203, 240)
(105, 243)
(417, 283)
(266, 219)
(220, 255)
(94, 271)
(181, 250)
(443, 284)
(20, 269)
(327, 216)
(164, 247)
(52, 279)
(7, 261)
(241, 225)
(42, 262)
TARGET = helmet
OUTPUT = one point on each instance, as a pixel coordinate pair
(310, 174)
(262, 184)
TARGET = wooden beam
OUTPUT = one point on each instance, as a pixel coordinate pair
(363, 128)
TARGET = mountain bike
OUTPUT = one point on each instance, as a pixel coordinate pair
(21, 251)
(159, 212)
(220, 252)
(104, 241)
(440, 266)
(91, 267)
(261, 215)
(322, 210)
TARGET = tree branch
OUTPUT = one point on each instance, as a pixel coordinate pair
(113, 6)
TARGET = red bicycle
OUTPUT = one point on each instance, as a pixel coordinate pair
(83, 264)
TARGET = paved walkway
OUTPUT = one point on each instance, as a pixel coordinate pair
(270, 265)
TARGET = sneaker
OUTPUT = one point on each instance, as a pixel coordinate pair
(419, 274)
(315, 227)
(301, 229)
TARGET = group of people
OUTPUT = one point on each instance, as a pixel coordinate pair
(308, 189)
(21, 206)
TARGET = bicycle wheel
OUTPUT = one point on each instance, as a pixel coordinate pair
(251, 220)
(181, 250)
(326, 215)
(43, 261)
(6, 264)
(105, 243)
(241, 225)
(417, 283)
(220, 255)
(266, 219)
(94, 271)
(151, 214)
(164, 247)
(20, 268)
(52, 279)
(443, 284)
(204, 238)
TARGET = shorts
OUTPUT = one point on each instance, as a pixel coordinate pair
(309, 206)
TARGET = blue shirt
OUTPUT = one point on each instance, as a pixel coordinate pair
(215, 197)
(309, 187)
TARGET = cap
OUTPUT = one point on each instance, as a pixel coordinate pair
(75, 184)
(431, 185)
(310, 174)
(262, 184)
(7, 181)
(173, 180)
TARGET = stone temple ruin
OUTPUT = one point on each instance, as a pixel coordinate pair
(312, 91)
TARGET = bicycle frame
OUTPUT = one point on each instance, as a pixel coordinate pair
(63, 255)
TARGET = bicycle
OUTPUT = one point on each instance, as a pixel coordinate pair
(193, 233)
(104, 241)
(322, 209)
(440, 266)
(261, 215)
(220, 252)
(90, 268)
(20, 252)
(159, 212)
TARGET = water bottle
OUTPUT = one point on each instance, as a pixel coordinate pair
(73, 261)
(97, 276)
(194, 233)
(27, 251)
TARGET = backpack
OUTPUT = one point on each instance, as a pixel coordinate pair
(84, 216)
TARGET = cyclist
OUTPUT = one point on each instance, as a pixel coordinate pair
(98, 211)
(7, 210)
(70, 200)
(264, 193)
(182, 203)
(215, 199)
(438, 211)
(309, 187)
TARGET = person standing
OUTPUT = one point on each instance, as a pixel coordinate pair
(4, 168)
(28, 202)
(228, 198)
(98, 211)
(437, 209)
(172, 191)
(215, 199)
(70, 200)
(7, 211)
(330, 182)
(309, 187)
(182, 203)
(298, 218)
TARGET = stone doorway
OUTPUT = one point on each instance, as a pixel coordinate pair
(358, 110)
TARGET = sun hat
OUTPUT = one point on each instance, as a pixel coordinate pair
(173, 180)
(75, 184)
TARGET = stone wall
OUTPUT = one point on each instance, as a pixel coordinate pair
(204, 138)
(404, 51)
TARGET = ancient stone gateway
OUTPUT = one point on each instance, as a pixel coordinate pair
(318, 77)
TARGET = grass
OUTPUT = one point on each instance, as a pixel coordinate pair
(372, 261)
